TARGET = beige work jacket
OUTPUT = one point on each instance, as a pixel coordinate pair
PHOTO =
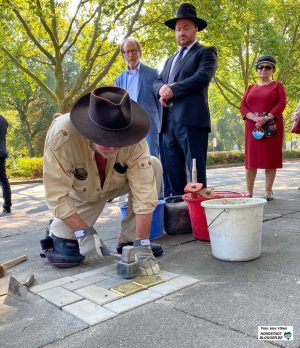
(71, 176)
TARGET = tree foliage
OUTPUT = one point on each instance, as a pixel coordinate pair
(49, 33)
(54, 51)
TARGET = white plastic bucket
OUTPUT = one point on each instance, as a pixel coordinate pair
(235, 227)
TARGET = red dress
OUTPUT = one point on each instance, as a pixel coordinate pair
(265, 153)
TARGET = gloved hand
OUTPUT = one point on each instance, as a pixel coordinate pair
(147, 262)
(89, 244)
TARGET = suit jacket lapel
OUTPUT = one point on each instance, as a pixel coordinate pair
(141, 76)
(168, 68)
(191, 51)
(124, 79)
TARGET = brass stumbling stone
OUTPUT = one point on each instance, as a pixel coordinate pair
(148, 281)
(127, 289)
(138, 284)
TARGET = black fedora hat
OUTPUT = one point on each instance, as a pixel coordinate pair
(187, 11)
(108, 117)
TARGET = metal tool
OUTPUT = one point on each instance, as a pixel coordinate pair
(127, 267)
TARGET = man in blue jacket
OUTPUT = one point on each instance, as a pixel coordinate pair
(138, 80)
(182, 88)
(3, 177)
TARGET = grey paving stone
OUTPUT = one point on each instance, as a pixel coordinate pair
(174, 285)
(132, 301)
(89, 312)
(34, 323)
(97, 294)
(165, 275)
(52, 284)
(59, 296)
(100, 270)
(80, 283)
(111, 282)
(112, 272)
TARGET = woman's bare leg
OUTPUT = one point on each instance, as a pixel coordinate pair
(250, 179)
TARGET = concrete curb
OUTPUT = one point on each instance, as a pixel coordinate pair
(25, 181)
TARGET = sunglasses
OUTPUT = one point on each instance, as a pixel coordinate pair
(266, 67)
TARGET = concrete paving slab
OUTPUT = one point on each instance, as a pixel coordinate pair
(111, 282)
(165, 275)
(159, 325)
(99, 270)
(34, 323)
(52, 284)
(59, 296)
(174, 285)
(80, 283)
(89, 312)
(98, 295)
(132, 301)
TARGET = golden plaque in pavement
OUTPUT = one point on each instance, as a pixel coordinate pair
(127, 288)
(147, 281)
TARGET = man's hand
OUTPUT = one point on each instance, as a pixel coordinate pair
(166, 92)
(147, 262)
(90, 245)
(163, 101)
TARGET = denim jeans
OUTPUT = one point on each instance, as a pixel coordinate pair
(5, 185)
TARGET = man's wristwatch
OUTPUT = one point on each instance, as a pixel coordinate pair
(86, 232)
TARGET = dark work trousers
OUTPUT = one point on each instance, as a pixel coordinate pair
(166, 186)
(5, 185)
(182, 144)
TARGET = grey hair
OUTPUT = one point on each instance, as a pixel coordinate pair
(132, 40)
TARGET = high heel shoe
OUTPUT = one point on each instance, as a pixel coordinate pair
(269, 198)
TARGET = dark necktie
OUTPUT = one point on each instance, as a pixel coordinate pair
(176, 66)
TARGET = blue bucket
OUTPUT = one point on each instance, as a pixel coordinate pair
(157, 225)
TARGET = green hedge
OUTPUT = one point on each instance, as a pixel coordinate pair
(32, 168)
(25, 167)
(225, 157)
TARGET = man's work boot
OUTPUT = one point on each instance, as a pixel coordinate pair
(61, 252)
(147, 262)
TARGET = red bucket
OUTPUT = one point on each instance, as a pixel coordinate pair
(197, 213)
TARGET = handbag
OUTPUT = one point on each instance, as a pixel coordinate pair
(270, 128)
(296, 121)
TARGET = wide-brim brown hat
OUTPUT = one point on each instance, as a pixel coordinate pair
(187, 11)
(108, 117)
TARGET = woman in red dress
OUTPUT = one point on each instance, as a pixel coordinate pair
(263, 101)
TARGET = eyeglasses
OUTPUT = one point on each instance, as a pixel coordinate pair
(266, 67)
(134, 51)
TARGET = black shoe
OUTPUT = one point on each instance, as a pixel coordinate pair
(156, 248)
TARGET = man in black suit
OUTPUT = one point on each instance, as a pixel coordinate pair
(182, 89)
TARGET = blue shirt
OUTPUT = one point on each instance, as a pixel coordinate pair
(132, 82)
